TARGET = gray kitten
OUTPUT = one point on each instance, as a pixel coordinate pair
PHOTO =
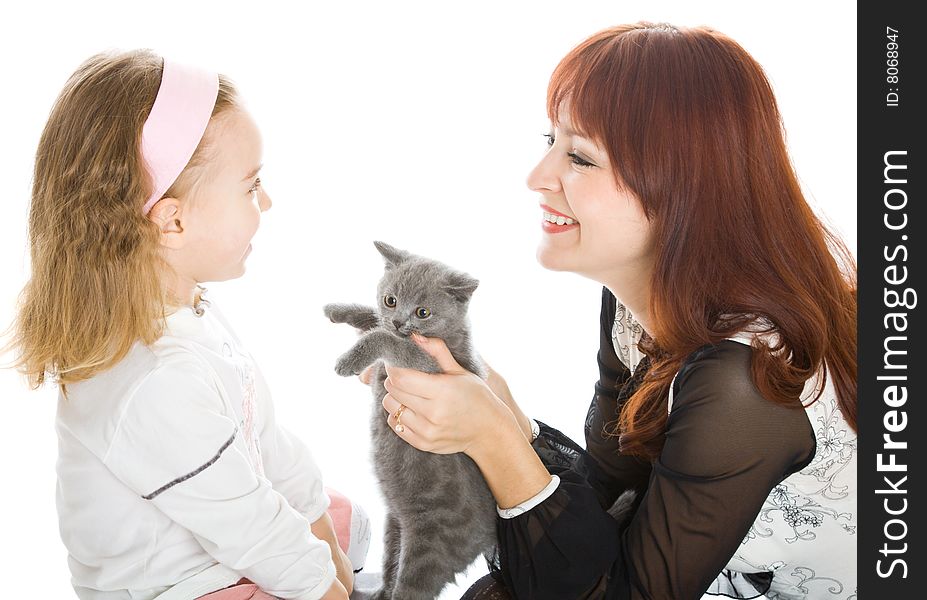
(440, 513)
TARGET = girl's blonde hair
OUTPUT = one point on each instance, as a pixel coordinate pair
(96, 282)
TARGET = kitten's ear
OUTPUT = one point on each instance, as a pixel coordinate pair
(461, 286)
(393, 256)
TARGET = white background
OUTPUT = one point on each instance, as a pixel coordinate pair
(412, 123)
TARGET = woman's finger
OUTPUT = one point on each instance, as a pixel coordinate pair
(408, 416)
(410, 421)
(366, 375)
(420, 405)
(390, 404)
(425, 385)
(489, 369)
(409, 434)
(440, 352)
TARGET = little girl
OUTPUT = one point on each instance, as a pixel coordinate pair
(174, 480)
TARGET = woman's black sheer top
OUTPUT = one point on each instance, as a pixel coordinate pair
(726, 448)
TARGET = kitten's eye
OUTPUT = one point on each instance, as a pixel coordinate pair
(389, 300)
(422, 312)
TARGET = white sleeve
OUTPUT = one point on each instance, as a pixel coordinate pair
(518, 509)
(176, 446)
(290, 467)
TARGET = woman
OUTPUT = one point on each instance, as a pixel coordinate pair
(727, 391)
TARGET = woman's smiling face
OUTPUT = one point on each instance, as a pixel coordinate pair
(610, 236)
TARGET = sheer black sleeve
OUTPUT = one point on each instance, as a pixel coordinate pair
(610, 473)
(726, 448)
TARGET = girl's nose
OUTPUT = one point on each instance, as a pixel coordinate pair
(264, 201)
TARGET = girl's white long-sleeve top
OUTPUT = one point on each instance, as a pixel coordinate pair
(174, 480)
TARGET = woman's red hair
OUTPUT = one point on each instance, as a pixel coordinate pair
(691, 126)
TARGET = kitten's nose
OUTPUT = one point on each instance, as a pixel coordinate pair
(398, 324)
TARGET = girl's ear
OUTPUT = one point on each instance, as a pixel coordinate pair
(167, 214)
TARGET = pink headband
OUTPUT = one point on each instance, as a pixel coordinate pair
(176, 123)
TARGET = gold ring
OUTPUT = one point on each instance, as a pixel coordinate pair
(399, 426)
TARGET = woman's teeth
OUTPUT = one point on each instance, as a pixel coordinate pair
(558, 219)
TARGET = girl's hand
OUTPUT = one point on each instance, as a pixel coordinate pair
(336, 592)
(454, 411)
(343, 568)
(324, 529)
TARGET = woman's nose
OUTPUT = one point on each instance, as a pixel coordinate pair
(543, 177)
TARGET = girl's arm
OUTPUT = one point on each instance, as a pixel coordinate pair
(291, 468)
(336, 592)
(324, 529)
(178, 448)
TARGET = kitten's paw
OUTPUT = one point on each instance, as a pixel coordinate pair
(336, 313)
(346, 367)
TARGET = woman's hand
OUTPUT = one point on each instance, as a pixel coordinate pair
(324, 529)
(454, 411)
(498, 386)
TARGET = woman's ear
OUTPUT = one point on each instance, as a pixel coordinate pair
(167, 214)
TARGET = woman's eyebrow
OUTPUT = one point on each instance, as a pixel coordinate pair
(254, 172)
(573, 133)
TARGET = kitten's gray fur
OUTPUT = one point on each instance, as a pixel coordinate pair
(622, 509)
(440, 513)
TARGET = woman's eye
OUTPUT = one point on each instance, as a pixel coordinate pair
(422, 312)
(550, 139)
(579, 161)
(389, 301)
(254, 188)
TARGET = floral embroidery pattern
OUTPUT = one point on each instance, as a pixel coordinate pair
(806, 580)
(246, 374)
(799, 512)
(816, 503)
(801, 583)
(834, 450)
(626, 332)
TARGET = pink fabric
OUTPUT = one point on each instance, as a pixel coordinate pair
(243, 590)
(340, 511)
(176, 123)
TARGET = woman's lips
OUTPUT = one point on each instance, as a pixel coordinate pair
(546, 208)
(554, 221)
(549, 227)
